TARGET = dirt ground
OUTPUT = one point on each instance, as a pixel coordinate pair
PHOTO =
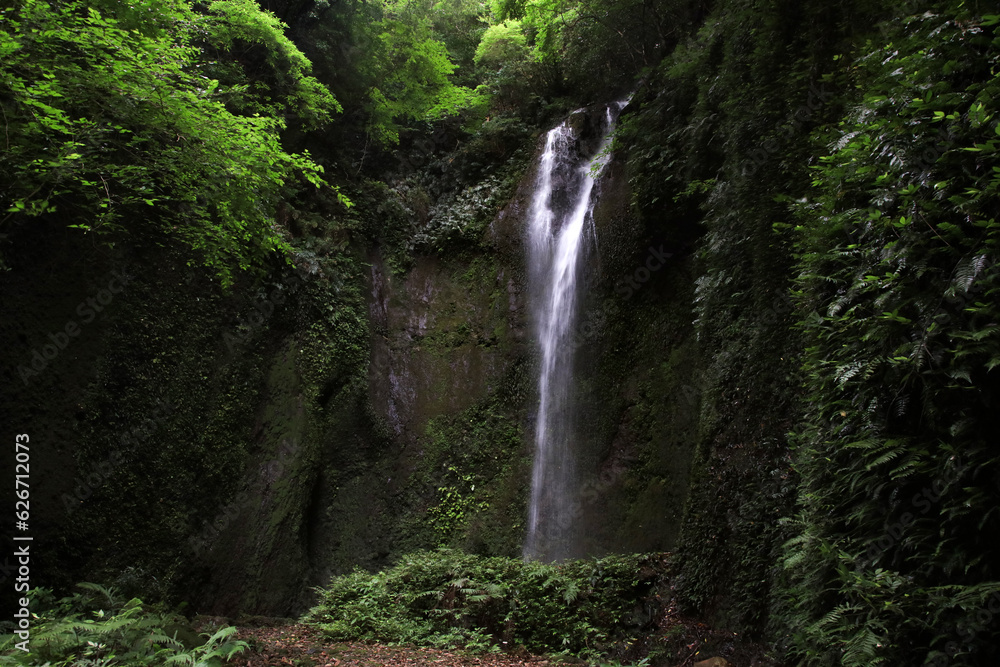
(304, 646)
(297, 645)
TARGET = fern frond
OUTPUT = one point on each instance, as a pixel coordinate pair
(862, 648)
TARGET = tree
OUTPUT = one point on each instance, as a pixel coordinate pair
(410, 70)
(142, 120)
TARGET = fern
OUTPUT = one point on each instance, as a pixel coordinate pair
(896, 245)
(217, 648)
(72, 632)
(862, 649)
(479, 602)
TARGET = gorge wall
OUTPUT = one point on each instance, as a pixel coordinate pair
(233, 449)
(755, 271)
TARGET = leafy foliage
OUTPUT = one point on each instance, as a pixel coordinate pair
(501, 44)
(409, 68)
(446, 598)
(96, 628)
(897, 287)
(596, 47)
(122, 127)
(239, 23)
(714, 135)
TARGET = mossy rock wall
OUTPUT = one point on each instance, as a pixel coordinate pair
(235, 449)
(353, 409)
(179, 433)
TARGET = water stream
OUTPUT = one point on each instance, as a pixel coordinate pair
(561, 213)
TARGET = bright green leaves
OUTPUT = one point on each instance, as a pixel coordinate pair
(411, 71)
(456, 507)
(99, 627)
(242, 21)
(449, 599)
(115, 127)
(551, 21)
(501, 44)
(511, 70)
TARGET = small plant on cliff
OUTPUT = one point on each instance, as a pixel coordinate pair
(456, 505)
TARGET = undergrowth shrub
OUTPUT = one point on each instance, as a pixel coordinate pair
(446, 598)
(95, 627)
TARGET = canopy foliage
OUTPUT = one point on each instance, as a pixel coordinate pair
(147, 122)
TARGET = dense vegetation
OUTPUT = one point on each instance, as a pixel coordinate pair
(813, 376)
(445, 598)
(148, 107)
(97, 627)
(897, 291)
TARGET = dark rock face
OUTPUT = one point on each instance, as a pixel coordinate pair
(445, 334)
(236, 449)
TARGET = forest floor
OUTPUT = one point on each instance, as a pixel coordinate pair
(298, 645)
(304, 646)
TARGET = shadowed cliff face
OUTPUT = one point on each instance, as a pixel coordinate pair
(443, 335)
(235, 449)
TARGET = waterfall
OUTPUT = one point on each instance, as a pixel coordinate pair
(561, 210)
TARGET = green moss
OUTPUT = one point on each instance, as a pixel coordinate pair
(464, 482)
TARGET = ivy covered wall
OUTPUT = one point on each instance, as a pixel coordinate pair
(838, 162)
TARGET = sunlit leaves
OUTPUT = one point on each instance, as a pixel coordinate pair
(105, 119)
(410, 69)
(502, 43)
(232, 21)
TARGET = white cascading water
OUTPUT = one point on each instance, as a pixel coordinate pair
(561, 210)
